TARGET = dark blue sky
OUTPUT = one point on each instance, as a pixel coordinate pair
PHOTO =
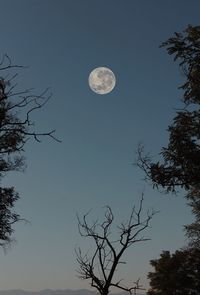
(61, 42)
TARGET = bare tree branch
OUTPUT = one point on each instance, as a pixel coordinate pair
(101, 266)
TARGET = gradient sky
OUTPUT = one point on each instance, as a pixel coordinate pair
(61, 42)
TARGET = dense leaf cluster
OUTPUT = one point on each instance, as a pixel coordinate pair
(176, 274)
(193, 229)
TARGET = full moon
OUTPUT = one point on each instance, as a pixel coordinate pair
(102, 80)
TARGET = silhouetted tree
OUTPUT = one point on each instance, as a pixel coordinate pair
(193, 230)
(176, 274)
(180, 160)
(101, 266)
(16, 127)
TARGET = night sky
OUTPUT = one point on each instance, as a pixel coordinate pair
(62, 42)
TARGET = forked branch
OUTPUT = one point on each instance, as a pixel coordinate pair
(101, 265)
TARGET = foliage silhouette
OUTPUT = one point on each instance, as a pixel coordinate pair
(16, 127)
(176, 274)
(181, 159)
(193, 229)
(180, 163)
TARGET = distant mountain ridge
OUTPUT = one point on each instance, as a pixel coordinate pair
(55, 292)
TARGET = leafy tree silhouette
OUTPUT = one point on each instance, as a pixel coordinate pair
(179, 165)
(181, 159)
(175, 274)
(16, 127)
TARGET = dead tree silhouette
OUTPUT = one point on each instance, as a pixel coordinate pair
(101, 266)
